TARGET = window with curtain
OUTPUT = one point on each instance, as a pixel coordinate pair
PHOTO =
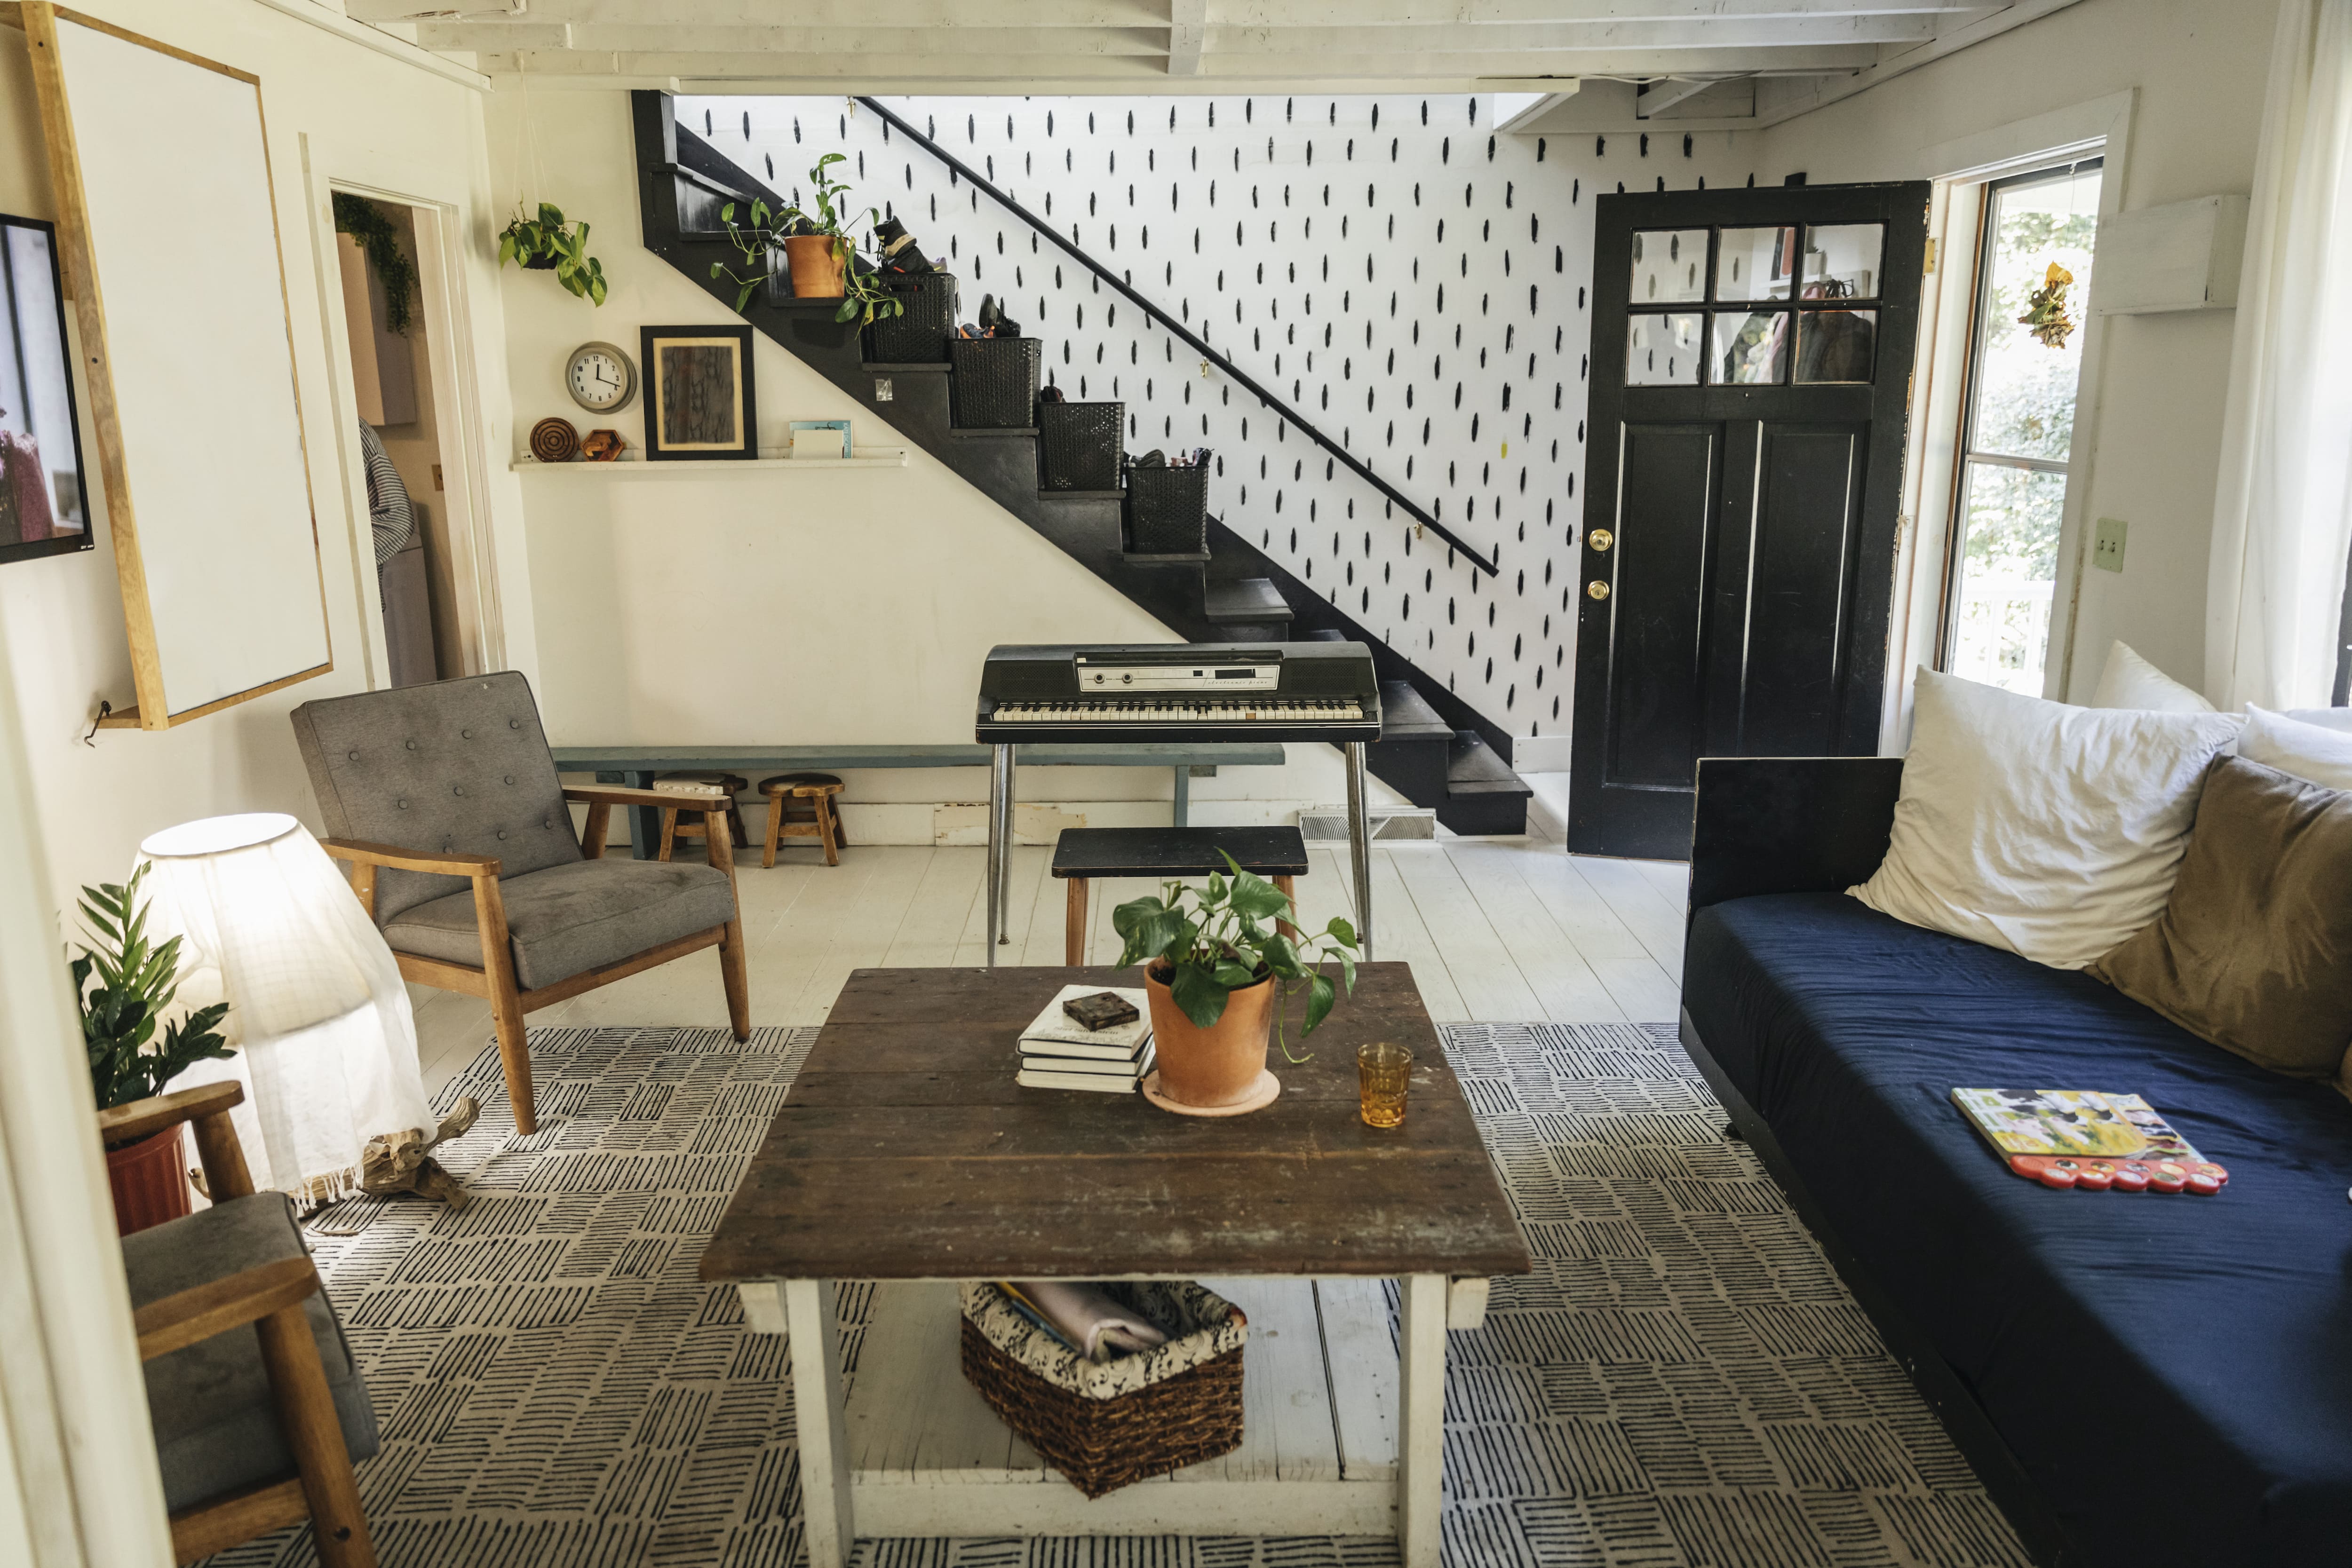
(2018, 424)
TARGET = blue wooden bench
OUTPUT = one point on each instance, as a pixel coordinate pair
(637, 765)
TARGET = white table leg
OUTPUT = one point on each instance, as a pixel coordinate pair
(1421, 1435)
(815, 1329)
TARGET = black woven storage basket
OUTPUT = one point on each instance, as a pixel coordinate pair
(917, 335)
(1168, 511)
(1079, 444)
(997, 382)
(1185, 1406)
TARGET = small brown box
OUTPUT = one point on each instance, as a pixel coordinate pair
(1104, 1010)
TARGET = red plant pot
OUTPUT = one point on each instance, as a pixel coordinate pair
(150, 1180)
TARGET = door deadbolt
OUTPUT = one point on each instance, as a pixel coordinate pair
(1596, 589)
(1601, 539)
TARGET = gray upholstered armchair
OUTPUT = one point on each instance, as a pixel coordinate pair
(444, 800)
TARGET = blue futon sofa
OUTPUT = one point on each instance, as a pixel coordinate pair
(2138, 1380)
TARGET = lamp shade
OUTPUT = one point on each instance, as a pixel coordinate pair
(318, 1017)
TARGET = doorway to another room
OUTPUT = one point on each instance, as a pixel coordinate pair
(400, 439)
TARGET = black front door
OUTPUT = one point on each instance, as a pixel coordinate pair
(1749, 383)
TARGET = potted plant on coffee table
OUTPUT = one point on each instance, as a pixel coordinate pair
(1217, 958)
(819, 249)
(136, 981)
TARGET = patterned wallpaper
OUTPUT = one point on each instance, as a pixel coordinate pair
(1413, 283)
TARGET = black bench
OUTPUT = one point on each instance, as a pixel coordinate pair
(1082, 853)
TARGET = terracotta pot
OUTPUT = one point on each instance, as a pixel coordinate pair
(1216, 1066)
(816, 267)
(150, 1180)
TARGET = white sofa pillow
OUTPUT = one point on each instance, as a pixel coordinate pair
(2325, 718)
(2128, 681)
(2054, 831)
(2321, 754)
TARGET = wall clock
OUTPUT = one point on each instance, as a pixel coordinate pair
(601, 378)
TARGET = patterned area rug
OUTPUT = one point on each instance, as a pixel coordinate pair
(1682, 1382)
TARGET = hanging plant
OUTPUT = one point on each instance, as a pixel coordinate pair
(2045, 309)
(548, 243)
(366, 222)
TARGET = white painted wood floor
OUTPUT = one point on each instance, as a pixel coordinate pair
(1502, 930)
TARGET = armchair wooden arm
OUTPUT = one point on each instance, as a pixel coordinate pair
(179, 1321)
(444, 863)
(207, 1108)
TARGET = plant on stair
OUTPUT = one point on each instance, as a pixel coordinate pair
(549, 244)
(819, 249)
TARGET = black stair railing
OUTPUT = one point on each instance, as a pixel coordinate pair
(1152, 312)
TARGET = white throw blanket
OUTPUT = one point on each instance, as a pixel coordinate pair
(1094, 1324)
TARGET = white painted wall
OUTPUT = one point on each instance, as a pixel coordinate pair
(2154, 450)
(334, 110)
(695, 607)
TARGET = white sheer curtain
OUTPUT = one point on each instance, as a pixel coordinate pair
(2283, 510)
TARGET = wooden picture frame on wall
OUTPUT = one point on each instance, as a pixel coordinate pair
(211, 517)
(44, 491)
(702, 399)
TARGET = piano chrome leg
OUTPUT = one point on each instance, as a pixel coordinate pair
(1359, 848)
(1000, 844)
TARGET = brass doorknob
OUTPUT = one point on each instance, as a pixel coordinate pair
(1597, 588)
(1601, 539)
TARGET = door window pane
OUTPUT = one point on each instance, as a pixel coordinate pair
(2017, 427)
(1669, 266)
(1836, 345)
(1842, 261)
(1755, 263)
(2024, 388)
(2008, 566)
(1663, 350)
(1750, 348)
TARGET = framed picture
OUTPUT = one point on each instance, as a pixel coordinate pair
(42, 509)
(698, 392)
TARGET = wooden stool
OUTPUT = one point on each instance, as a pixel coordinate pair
(672, 830)
(1162, 854)
(788, 794)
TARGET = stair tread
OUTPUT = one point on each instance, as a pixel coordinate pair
(908, 367)
(980, 432)
(1175, 559)
(1474, 770)
(1085, 496)
(1244, 601)
(1405, 715)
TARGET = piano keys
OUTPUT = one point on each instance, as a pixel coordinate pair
(1179, 691)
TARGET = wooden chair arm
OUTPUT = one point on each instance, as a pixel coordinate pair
(705, 800)
(142, 1118)
(177, 1322)
(446, 864)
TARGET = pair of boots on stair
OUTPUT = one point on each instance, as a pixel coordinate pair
(901, 254)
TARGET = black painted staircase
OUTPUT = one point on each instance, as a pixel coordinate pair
(1435, 750)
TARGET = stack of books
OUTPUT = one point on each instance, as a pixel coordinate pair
(1057, 1051)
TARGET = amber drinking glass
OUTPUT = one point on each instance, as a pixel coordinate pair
(1382, 1071)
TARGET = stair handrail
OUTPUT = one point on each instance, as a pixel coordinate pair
(1153, 313)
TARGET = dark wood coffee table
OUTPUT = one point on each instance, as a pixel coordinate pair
(907, 1155)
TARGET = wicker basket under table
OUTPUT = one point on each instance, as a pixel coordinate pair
(1105, 1425)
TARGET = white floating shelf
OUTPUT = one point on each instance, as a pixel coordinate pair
(867, 457)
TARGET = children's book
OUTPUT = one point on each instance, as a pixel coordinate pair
(2031, 1129)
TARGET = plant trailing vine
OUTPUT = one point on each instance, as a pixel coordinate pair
(136, 981)
(863, 297)
(549, 243)
(1215, 939)
(366, 222)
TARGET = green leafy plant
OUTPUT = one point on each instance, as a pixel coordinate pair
(1219, 936)
(549, 242)
(863, 297)
(366, 222)
(136, 982)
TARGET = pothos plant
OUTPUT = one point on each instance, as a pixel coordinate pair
(366, 222)
(1217, 938)
(863, 297)
(548, 243)
(136, 982)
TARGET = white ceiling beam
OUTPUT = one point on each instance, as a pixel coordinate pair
(1790, 103)
(1029, 73)
(1184, 44)
(1142, 13)
(1660, 95)
(1188, 33)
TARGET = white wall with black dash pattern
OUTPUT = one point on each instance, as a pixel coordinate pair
(1411, 282)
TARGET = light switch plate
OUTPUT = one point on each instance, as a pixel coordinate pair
(2107, 544)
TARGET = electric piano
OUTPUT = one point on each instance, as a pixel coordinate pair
(1180, 693)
